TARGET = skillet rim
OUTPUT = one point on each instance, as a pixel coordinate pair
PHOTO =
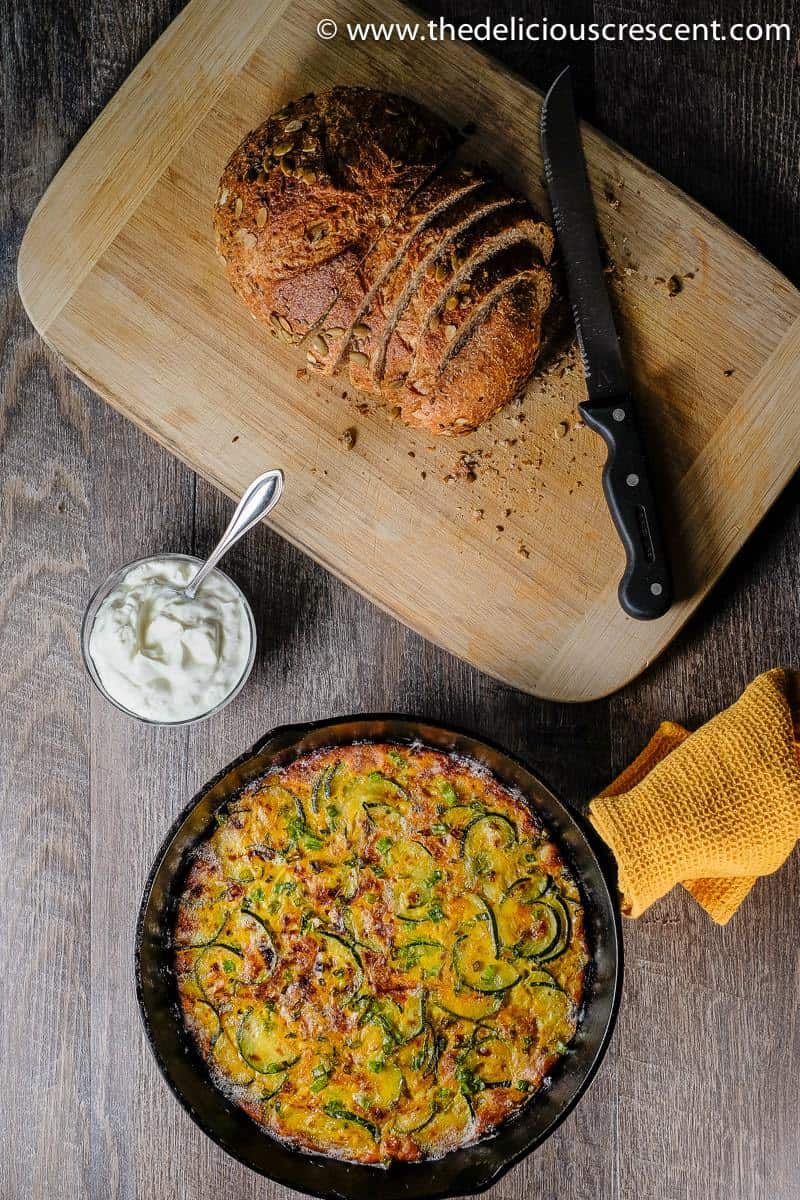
(296, 731)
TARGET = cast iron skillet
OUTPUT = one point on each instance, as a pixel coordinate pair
(462, 1172)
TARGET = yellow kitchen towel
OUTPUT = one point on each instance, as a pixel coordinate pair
(714, 809)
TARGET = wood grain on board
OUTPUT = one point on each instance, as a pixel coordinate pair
(700, 1093)
(506, 557)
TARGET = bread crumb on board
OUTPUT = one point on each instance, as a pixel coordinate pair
(674, 283)
(348, 438)
(611, 200)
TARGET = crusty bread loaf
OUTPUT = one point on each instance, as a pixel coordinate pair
(345, 224)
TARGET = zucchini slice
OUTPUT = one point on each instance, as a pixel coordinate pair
(232, 845)
(292, 832)
(411, 866)
(514, 913)
(377, 1039)
(528, 888)
(479, 971)
(201, 924)
(358, 928)
(386, 819)
(189, 989)
(493, 1060)
(488, 833)
(256, 900)
(458, 816)
(231, 1011)
(252, 937)
(487, 915)
(410, 859)
(266, 1087)
(534, 921)
(215, 966)
(414, 1118)
(321, 791)
(540, 977)
(377, 788)
(467, 910)
(406, 1020)
(337, 1110)
(265, 1043)
(383, 1087)
(419, 959)
(203, 1017)
(417, 1055)
(339, 879)
(229, 1061)
(471, 1005)
(553, 1011)
(489, 849)
(561, 942)
(323, 1130)
(449, 1126)
(542, 934)
(350, 883)
(341, 965)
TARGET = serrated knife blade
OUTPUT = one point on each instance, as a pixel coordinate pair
(645, 590)
(573, 213)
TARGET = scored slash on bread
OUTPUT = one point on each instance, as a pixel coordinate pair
(492, 359)
(508, 259)
(451, 282)
(391, 301)
(343, 224)
(344, 320)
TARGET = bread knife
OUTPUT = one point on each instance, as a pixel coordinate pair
(645, 590)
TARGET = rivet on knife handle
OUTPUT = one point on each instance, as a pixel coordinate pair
(645, 590)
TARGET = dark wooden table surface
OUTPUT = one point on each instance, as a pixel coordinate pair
(699, 1096)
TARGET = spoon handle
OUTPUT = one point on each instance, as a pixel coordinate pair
(260, 498)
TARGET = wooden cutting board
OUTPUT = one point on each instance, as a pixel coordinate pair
(498, 546)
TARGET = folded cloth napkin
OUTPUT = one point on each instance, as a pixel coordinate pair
(712, 810)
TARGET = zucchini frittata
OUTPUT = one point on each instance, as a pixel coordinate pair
(379, 952)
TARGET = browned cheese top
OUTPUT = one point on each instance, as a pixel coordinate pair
(380, 953)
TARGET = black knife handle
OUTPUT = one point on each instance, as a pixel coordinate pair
(645, 590)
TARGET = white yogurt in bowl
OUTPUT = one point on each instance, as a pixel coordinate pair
(160, 656)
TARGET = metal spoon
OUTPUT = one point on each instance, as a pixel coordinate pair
(260, 498)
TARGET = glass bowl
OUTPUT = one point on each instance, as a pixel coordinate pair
(88, 624)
